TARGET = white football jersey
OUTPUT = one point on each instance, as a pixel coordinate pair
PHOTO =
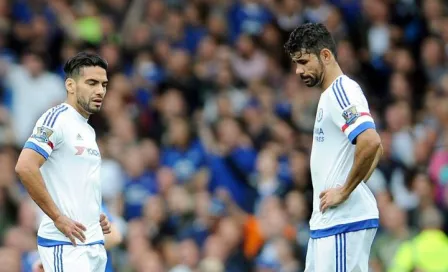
(342, 114)
(71, 172)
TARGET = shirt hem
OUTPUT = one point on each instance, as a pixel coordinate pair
(344, 228)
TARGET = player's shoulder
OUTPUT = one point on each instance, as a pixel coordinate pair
(54, 116)
(344, 89)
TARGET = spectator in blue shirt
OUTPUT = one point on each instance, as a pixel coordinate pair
(183, 152)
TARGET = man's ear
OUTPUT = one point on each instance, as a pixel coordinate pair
(326, 56)
(70, 85)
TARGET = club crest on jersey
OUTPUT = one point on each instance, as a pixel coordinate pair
(350, 115)
(42, 134)
(320, 114)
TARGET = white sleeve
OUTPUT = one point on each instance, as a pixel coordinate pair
(349, 108)
(47, 133)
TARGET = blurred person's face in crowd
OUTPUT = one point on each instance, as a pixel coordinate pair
(400, 87)
(207, 49)
(432, 9)
(20, 239)
(296, 206)
(267, 163)
(393, 218)
(403, 61)
(432, 53)
(27, 215)
(229, 132)
(165, 180)
(150, 261)
(10, 260)
(179, 201)
(34, 64)
(214, 247)
(398, 116)
(245, 46)
(133, 163)
(421, 185)
(179, 132)
(230, 232)
(119, 84)
(202, 203)
(298, 162)
(155, 10)
(217, 26)
(189, 253)
(224, 106)
(111, 54)
(149, 152)
(224, 78)
(154, 210)
(172, 104)
(170, 253)
(346, 56)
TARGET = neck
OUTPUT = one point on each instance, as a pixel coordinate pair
(331, 73)
(78, 108)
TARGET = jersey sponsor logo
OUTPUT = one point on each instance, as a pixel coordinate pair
(350, 115)
(90, 151)
(42, 135)
(319, 134)
(320, 114)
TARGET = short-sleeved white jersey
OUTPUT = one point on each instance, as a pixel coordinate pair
(71, 172)
(342, 114)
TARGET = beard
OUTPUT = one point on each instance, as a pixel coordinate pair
(315, 80)
(86, 105)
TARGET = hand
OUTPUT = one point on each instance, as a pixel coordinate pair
(70, 229)
(38, 267)
(331, 198)
(105, 224)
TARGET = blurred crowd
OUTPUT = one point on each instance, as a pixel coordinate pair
(206, 131)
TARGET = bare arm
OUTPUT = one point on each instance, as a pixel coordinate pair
(27, 168)
(378, 155)
(114, 238)
(367, 147)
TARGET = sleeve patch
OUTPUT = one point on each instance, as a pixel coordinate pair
(42, 135)
(350, 115)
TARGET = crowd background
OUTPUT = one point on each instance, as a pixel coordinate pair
(206, 131)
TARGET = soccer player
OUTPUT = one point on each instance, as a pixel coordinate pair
(345, 151)
(60, 168)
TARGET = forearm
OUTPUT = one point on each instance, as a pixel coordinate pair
(113, 239)
(34, 184)
(365, 155)
(378, 155)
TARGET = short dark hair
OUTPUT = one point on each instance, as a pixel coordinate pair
(72, 67)
(311, 37)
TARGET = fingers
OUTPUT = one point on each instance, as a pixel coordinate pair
(79, 235)
(323, 193)
(102, 217)
(72, 239)
(81, 232)
(81, 226)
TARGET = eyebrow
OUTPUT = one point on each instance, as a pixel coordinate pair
(95, 80)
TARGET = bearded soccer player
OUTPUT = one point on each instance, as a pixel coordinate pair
(345, 151)
(60, 168)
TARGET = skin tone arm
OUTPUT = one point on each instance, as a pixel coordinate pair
(27, 168)
(113, 238)
(367, 147)
(378, 155)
